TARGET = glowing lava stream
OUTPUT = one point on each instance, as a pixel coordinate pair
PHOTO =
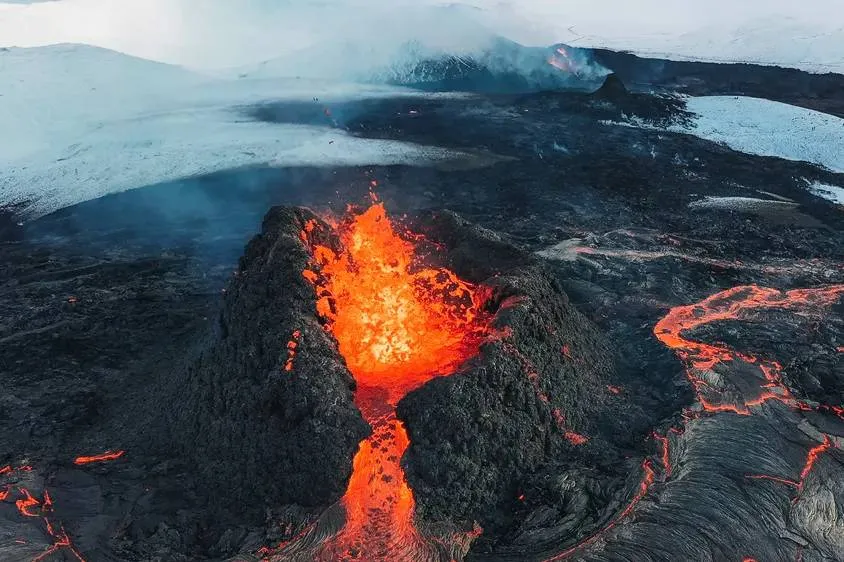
(398, 325)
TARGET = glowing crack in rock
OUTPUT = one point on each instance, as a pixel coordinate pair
(811, 458)
(648, 477)
(31, 506)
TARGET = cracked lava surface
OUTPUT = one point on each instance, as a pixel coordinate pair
(14, 489)
(736, 303)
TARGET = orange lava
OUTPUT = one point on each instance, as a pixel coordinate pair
(398, 324)
(666, 453)
(291, 350)
(575, 438)
(560, 60)
(812, 457)
(107, 456)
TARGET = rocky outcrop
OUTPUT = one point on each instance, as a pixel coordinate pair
(266, 410)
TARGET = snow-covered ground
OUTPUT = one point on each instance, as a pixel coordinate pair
(80, 122)
(769, 128)
(830, 192)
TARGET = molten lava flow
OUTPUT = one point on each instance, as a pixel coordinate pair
(397, 324)
(107, 456)
(731, 304)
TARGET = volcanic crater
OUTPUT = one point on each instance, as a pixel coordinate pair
(452, 357)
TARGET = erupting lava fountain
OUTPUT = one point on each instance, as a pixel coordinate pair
(398, 324)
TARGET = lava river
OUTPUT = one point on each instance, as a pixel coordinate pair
(398, 324)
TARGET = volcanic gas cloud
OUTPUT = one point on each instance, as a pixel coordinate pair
(398, 324)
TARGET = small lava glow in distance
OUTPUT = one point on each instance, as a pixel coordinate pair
(102, 457)
(398, 324)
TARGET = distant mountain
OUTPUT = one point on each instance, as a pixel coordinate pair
(506, 67)
(500, 66)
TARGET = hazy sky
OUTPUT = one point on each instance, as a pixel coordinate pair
(232, 32)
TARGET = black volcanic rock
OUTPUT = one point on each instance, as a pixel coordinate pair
(612, 88)
(260, 434)
(10, 226)
(812, 90)
(480, 437)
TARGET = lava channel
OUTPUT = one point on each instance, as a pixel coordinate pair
(733, 304)
(398, 324)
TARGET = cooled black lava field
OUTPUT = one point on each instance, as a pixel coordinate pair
(653, 369)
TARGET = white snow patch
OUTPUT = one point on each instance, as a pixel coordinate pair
(830, 192)
(81, 122)
(769, 128)
(742, 204)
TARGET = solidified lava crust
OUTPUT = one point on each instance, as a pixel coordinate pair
(267, 411)
(533, 400)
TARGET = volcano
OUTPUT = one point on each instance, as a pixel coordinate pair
(457, 350)
(588, 333)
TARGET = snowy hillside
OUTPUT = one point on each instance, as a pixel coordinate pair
(53, 92)
(768, 128)
(81, 122)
